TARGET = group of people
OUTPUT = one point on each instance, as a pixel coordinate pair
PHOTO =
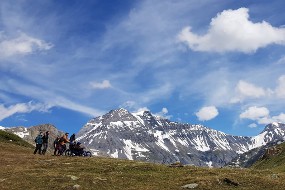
(59, 144)
(42, 141)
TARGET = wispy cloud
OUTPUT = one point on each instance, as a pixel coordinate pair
(247, 90)
(101, 85)
(231, 30)
(6, 112)
(280, 89)
(50, 97)
(68, 104)
(281, 60)
(21, 45)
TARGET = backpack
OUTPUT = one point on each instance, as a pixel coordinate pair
(36, 140)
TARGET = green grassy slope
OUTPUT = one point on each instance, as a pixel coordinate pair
(21, 169)
(274, 161)
(6, 137)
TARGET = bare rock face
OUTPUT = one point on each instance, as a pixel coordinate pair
(30, 133)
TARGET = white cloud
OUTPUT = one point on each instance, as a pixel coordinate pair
(279, 118)
(261, 115)
(207, 113)
(141, 110)
(231, 30)
(280, 90)
(253, 125)
(255, 113)
(163, 113)
(247, 90)
(21, 45)
(101, 85)
(6, 112)
(164, 110)
(265, 120)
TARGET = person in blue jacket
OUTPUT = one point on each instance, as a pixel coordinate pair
(39, 143)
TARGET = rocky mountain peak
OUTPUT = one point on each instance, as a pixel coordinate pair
(118, 115)
(273, 126)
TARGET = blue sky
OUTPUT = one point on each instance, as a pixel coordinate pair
(217, 63)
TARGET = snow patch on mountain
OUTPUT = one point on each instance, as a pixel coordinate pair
(200, 144)
(258, 140)
(20, 131)
(131, 146)
(115, 154)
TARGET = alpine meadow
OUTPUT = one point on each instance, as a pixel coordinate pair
(142, 94)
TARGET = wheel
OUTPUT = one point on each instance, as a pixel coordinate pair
(68, 152)
(87, 154)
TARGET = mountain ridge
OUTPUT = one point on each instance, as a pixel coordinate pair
(144, 136)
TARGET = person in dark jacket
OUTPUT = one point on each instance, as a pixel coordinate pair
(56, 146)
(79, 148)
(39, 142)
(45, 142)
(72, 138)
(72, 141)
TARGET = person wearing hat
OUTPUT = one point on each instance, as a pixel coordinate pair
(39, 142)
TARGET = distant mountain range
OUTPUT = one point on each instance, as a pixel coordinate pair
(146, 137)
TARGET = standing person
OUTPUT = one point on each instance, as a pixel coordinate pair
(45, 142)
(72, 141)
(62, 141)
(39, 142)
(72, 138)
(56, 146)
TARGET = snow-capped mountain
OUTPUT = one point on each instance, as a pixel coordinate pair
(272, 135)
(144, 136)
(248, 158)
